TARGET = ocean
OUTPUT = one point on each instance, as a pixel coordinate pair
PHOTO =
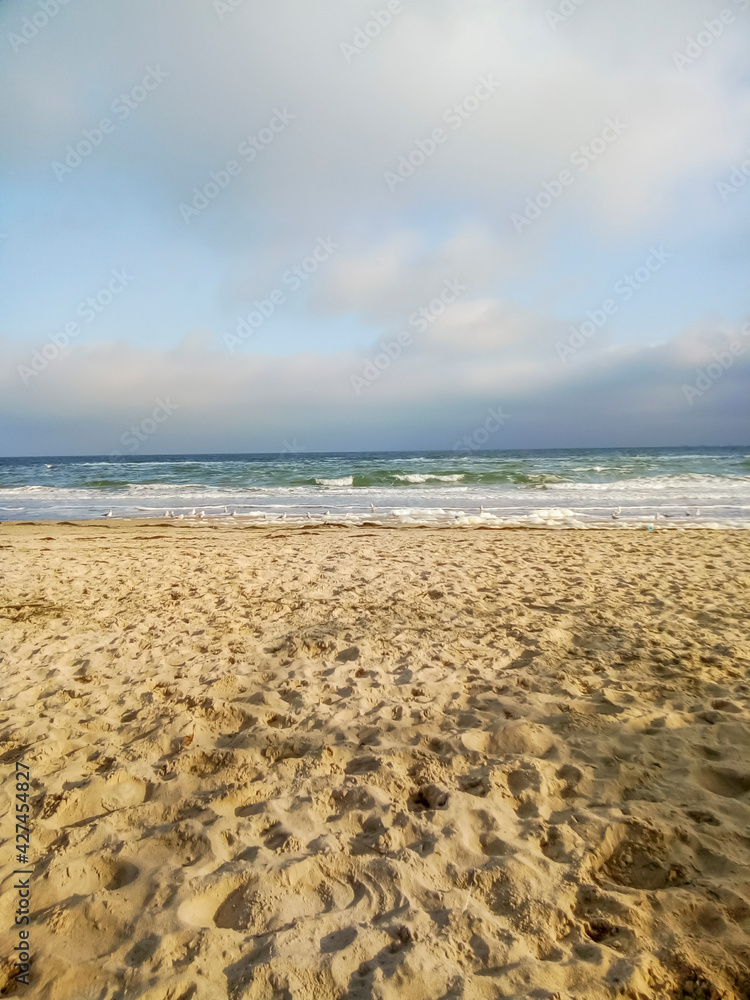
(577, 488)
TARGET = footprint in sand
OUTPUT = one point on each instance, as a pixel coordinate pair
(723, 781)
(256, 905)
(642, 861)
(338, 940)
(277, 721)
(475, 783)
(363, 765)
(524, 786)
(82, 877)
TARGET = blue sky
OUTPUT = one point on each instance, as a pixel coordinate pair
(172, 94)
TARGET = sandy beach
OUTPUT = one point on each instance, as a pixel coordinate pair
(378, 764)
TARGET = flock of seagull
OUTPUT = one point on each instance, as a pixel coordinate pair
(235, 513)
(696, 513)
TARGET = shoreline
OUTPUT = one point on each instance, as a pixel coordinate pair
(577, 488)
(232, 524)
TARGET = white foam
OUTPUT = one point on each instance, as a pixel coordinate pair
(415, 477)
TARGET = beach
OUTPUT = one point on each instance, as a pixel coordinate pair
(336, 762)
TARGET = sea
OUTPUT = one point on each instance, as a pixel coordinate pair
(622, 488)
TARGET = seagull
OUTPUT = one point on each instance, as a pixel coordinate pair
(193, 511)
(616, 514)
(309, 515)
(202, 514)
(372, 508)
(109, 514)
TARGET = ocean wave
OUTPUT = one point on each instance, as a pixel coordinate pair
(659, 484)
(691, 486)
(397, 478)
(510, 487)
(425, 477)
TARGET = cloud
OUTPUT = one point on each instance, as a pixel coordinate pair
(353, 120)
(86, 399)
(385, 281)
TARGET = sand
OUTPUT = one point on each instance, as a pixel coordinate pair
(422, 764)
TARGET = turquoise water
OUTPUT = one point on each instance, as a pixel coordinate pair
(576, 487)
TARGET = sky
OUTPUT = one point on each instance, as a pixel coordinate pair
(348, 225)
